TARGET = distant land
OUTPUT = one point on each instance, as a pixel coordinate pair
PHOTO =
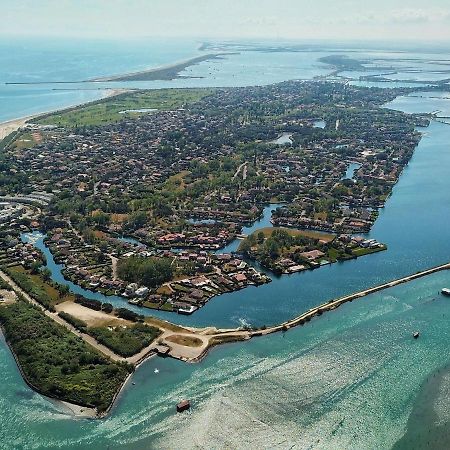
(167, 73)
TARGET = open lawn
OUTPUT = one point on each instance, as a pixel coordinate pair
(368, 251)
(125, 341)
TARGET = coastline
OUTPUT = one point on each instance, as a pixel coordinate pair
(78, 411)
(223, 336)
(10, 126)
(68, 407)
(165, 72)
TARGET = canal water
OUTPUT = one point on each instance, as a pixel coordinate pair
(350, 172)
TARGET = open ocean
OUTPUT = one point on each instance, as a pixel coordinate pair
(351, 379)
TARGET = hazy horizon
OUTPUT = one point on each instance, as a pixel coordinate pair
(347, 20)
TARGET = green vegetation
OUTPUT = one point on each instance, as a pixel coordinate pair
(270, 245)
(7, 140)
(47, 293)
(310, 234)
(150, 272)
(109, 110)
(126, 314)
(77, 323)
(57, 363)
(4, 285)
(368, 251)
(125, 341)
(281, 248)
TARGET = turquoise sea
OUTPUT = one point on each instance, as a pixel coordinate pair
(351, 379)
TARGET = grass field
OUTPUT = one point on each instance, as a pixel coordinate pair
(368, 251)
(108, 110)
(187, 341)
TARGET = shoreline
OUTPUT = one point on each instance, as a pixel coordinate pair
(12, 125)
(164, 72)
(239, 335)
(216, 337)
(72, 408)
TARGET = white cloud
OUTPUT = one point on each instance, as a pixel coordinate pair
(293, 19)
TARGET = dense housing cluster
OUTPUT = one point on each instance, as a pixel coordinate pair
(188, 178)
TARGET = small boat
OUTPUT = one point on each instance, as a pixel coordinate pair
(416, 334)
(156, 371)
(133, 383)
(445, 291)
(184, 405)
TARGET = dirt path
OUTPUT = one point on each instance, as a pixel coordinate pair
(178, 351)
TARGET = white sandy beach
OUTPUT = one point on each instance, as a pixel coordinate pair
(75, 410)
(9, 126)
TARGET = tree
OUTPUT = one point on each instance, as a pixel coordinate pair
(137, 220)
(46, 274)
(260, 237)
(63, 290)
(35, 266)
(150, 272)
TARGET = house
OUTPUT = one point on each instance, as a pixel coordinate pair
(312, 255)
(142, 292)
(130, 290)
(240, 277)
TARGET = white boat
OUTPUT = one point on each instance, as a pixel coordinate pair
(445, 291)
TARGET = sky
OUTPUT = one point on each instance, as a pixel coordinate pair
(415, 20)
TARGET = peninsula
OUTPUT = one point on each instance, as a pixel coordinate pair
(137, 196)
(169, 72)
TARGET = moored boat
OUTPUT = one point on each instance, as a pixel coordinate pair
(445, 291)
(184, 405)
